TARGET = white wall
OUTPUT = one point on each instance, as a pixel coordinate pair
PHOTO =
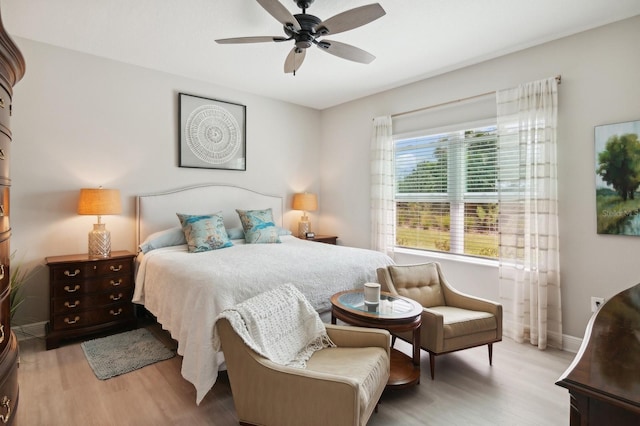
(600, 85)
(83, 121)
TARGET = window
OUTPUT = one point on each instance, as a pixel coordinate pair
(446, 196)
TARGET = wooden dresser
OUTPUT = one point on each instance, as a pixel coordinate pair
(89, 296)
(12, 69)
(604, 378)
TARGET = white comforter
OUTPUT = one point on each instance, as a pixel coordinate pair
(186, 291)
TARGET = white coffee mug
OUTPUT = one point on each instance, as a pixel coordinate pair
(372, 293)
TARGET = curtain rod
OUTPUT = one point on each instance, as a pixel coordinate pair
(468, 98)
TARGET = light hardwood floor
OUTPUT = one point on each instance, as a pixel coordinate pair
(57, 387)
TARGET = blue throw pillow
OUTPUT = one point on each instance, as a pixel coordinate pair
(258, 226)
(204, 232)
(235, 233)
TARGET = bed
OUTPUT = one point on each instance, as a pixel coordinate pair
(186, 291)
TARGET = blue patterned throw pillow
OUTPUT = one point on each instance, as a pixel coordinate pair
(258, 226)
(204, 232)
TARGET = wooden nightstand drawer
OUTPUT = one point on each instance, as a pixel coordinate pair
(81, 271)
(89, 295)
(98, 316)
(83, 302)
(71, 287)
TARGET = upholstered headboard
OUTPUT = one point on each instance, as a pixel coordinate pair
(156, 212)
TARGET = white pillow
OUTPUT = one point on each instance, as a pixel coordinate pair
(168, 237)
(238, 233)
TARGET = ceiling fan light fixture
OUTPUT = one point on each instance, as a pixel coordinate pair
(304, 41)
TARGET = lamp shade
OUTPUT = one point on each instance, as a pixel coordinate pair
(98, 201)
(305, 201)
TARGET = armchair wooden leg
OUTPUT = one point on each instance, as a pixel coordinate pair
(490, 353)
(432, 364)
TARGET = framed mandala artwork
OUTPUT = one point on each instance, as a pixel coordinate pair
(212, 133)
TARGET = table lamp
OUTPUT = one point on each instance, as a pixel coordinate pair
(99, 202)
(307, 203)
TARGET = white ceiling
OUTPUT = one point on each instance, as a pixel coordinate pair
(416, 39)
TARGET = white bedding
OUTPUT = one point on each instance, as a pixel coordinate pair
(186, 291)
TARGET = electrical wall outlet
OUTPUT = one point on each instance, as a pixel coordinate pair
(596, 303)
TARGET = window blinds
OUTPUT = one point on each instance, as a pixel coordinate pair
(446, 197)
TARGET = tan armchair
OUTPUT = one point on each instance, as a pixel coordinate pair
(451, 321)
(339, 386)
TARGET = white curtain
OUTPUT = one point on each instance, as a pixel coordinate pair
(383, 208)
(529, 258)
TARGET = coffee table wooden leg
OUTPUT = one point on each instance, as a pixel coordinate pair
(416, 346)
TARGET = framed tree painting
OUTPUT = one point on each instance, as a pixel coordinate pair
(212, 133)
(617, 148)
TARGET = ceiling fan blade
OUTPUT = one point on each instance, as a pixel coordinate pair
(294, 60)
(260, 39)
(350, 19)
(278, 11)
(346, 51)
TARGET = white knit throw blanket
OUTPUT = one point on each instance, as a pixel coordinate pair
(280, 325)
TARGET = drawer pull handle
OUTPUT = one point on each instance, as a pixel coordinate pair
(69, 290)
(116, 283)
(114, 297)
(6, 404)
(69, 305)
(1, 333)
(112, 312)
(73, 321)
(72, 274)
(2, 271)
(115, 268)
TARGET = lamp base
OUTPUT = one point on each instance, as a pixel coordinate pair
(304, 226)
(99, 241)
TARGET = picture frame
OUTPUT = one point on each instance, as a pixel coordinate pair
(212, 133)
(617, 167)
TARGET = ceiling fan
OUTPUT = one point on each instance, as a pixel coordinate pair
(306, 29)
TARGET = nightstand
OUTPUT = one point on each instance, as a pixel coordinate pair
(89, 296)
(328, 239)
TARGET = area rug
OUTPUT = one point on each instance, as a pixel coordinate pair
(121, 353)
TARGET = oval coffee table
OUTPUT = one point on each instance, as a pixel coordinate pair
(394, 313)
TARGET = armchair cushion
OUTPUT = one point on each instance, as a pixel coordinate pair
(461, 322)
(420, 283)
(367, 367)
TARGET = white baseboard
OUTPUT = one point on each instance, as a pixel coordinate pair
(30, 331)
(571, 344)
